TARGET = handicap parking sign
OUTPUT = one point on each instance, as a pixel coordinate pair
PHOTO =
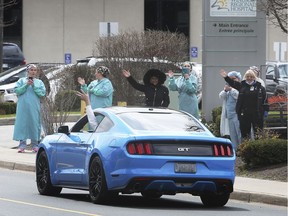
(194, 52)
(68, 58)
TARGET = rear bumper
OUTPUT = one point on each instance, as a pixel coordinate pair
(173, 186)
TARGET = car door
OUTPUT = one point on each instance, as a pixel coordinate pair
(271, 81)
(71, 153)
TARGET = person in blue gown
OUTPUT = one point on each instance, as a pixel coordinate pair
(100, 90)
(28, 113)
(229, 124)
(186, 85)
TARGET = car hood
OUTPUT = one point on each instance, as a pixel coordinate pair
(283, 84)
(283, 80)
(8, 86)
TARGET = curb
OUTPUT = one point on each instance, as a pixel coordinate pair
(236, 195)
(7, 121)
(259, 198)
(17, 166)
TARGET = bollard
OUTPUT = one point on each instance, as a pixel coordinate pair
(83, 108)
(122, 103)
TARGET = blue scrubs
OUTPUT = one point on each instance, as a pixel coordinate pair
(100, 93)
(28, 114)
(187, 90)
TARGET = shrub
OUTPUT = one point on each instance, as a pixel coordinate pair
(214, 125)
(7, 108)
(216, 112)
(262, 152)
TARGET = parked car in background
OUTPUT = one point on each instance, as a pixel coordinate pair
(12, 56)
(9, 78)
(276, 77)
(152, 151)
(276, 88)
(197, 68)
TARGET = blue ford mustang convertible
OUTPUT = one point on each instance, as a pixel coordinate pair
(152, 151)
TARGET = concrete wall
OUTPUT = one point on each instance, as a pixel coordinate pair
(196, 28)
(55, 27)
(273, 35)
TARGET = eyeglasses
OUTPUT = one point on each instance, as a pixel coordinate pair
(32, 69)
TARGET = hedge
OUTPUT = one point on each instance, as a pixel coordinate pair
(7, 108)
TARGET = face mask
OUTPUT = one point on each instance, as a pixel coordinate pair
(185, 71)
(249, 83)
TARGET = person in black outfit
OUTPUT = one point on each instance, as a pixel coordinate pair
(157, 95)
(251, 106)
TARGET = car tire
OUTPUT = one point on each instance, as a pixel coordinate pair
(97, 183)
(43, 179)
(213, 200)
(151, 194)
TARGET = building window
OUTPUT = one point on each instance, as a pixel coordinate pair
(167, 15)
(13, 33)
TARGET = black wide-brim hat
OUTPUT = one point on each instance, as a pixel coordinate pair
(156, 73)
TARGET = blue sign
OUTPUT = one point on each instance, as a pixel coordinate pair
(194, 52)
(68, 58)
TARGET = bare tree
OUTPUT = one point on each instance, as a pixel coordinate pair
(56, 106)
(135, 51)
(148, 44)
(138, 52)
(276, 11)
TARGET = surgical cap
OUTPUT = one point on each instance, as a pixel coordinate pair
(235, 74)
(103, 70)
(29, 66)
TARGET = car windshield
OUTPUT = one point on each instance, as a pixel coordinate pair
(4, 77)
(10, 51)
(161, 122)
(3, 74)
(283, 71)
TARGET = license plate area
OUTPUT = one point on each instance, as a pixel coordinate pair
(185, 167)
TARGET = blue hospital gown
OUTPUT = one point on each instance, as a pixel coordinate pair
(100, 93)
(28, 114)
(187, 90)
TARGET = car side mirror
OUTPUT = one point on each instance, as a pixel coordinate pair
(63, 129)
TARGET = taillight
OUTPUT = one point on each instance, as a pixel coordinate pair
(222, 150)
(139, 148)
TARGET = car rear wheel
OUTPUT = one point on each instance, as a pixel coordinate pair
(43, 180)
(213, 200)
(151, 194)
(97, 183)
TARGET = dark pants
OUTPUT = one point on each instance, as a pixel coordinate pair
(247, 121)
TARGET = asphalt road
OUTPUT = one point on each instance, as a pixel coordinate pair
(19, 196)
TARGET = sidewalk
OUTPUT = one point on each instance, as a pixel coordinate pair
(245, 189)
